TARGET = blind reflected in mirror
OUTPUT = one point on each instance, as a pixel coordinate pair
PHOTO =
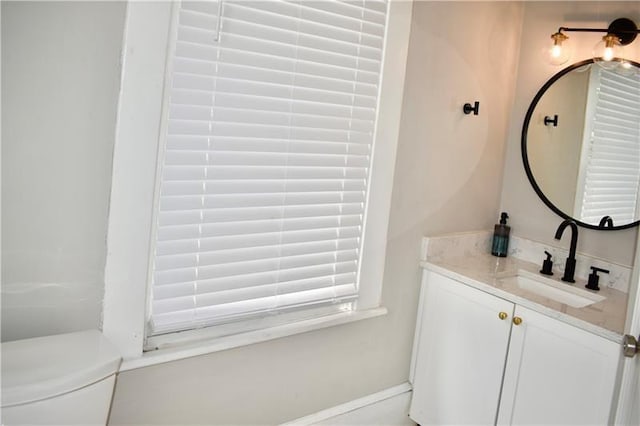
(581, 145)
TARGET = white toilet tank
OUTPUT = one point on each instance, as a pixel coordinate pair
(63, 379)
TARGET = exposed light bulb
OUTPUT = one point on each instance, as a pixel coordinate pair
(608, 52)
(607, 55)
(559, 52)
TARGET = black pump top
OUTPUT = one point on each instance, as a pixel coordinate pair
(503, 218)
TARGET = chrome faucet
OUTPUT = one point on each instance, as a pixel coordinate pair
(570, 265)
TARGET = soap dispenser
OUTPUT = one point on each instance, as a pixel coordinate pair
(501, 231)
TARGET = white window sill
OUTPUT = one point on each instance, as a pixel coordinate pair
(228, 342)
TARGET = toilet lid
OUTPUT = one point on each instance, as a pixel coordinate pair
(44, 367)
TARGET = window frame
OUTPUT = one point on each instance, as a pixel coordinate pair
(146, 44)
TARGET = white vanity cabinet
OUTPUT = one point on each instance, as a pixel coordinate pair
(461, 347)
(557, 374)
(480, 359)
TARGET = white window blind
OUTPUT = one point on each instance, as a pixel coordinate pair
(268, 145)
(611, 161)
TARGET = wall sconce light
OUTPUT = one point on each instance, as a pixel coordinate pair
(558, 53)
(608, 53)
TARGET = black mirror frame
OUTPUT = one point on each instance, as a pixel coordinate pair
(525, 158)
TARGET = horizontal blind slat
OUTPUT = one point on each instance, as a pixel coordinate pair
(186, 260)
(254, 240)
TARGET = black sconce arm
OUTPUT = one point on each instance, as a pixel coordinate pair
(625, 29)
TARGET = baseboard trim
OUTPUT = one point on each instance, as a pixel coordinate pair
(350, 406)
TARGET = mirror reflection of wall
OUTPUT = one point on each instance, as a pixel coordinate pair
(553, 149)
(587, 164)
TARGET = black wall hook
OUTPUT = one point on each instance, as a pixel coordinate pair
(468, 109)
(548, 120)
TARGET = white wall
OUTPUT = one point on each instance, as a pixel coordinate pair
(448, 174)
(60, 78)
(530, 218)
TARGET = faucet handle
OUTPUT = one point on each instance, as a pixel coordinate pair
(547, 265)
(594, 278)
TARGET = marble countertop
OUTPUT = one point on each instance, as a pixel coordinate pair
(486, 272)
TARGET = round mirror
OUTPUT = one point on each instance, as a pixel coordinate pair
(581, 145)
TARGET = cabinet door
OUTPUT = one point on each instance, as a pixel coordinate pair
(462, 345)
(557, 374)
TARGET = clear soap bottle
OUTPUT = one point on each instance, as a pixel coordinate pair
(500, 243)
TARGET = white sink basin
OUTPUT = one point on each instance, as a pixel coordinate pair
(560, 292)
